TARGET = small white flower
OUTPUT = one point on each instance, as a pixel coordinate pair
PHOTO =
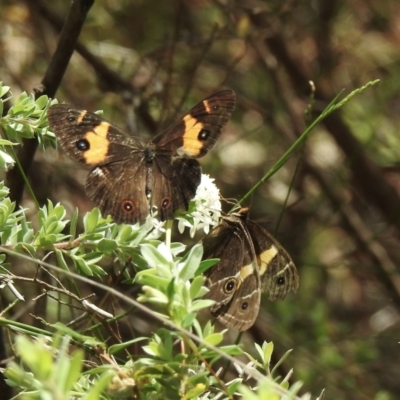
(207, 208)
(155, 226)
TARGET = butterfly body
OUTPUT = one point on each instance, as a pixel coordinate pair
(129, 179)
(251, 261)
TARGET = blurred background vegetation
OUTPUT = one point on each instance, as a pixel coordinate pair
(147, 62)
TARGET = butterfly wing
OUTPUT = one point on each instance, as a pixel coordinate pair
(175, 181)
(118, 189)
(88, 138)
(175, 173)
(117, 182)
(277, 271)
(196, 133)
(234, 282)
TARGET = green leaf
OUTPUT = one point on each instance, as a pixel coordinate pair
(93, 257)
(61, 260)
(97, 270)
(4, 142)
(192, 262)
(249, 394)
(177, 248)
(172, 288)
(62, 368)
(149, 277)
(196, 286)
(99, 386)
(206, 264)
(73, 224)
(4, 190)
(234, 386)
(82, 266)
(153, 295)
(42, 101)
(194, 392)
(91, 220)
(265, 391)
(280, 361)
(124, 233)
(214, 339)
(36, 356)
(201, 304)
(268, 348)
(84, 339)
(74, 370)
(187, 321)
(107, 245)
(152, 256)
(116, 348)
(87, 263)
(3, 91)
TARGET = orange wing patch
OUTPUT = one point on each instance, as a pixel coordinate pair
(191, 144)
(98, 144)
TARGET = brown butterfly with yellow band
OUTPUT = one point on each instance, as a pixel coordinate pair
(251, 261)
(129, 179)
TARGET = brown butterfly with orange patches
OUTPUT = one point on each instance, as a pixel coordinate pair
(129, 179)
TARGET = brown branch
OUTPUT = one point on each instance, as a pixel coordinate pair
(52, 79)
(109, 80)
(327, 11)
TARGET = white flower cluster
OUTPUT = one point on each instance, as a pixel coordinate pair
(155, 226)
(207, 208)
(204, 212)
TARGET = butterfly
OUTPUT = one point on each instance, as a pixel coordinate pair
(128, 179)
(251, 261)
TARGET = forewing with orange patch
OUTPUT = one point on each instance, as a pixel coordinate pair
(89, 139)
(196, 133)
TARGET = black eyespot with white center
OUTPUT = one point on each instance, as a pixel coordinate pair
(204, 135)
(245, 305)
(82, 145)
(280, 281)
(71, 118)
(230, 286)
